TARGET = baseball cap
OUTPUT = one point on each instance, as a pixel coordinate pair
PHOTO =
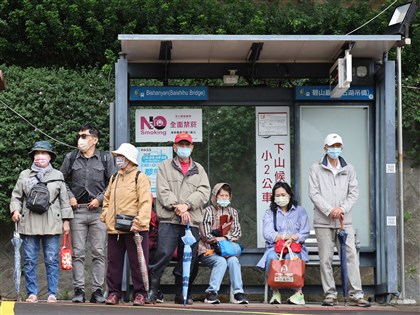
(183, 136)
(333, 138)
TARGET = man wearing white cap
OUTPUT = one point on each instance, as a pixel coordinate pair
(334, 189)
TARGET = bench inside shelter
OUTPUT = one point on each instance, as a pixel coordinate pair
(248, 260)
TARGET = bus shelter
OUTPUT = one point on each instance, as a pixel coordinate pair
(356, 100)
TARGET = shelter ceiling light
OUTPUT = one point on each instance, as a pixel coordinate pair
(401, 20)
(231, 78)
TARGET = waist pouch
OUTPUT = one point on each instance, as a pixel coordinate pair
(123, 222)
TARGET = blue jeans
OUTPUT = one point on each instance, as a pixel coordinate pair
(218, 266)
(50, 245)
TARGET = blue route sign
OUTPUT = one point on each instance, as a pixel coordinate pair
(169, 93)
(322, 92)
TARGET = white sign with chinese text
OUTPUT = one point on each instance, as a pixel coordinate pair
(162, 125)
(272, 157)
(149, 158)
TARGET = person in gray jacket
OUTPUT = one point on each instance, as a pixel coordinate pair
(44, 228)
(334, 189)
(182, 189)
(87, 172)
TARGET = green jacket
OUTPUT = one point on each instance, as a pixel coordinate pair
(50, 222)
(172, 188)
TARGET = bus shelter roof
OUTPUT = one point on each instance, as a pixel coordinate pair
(241, 48)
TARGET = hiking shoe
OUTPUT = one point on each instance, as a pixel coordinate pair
(79, 296)
(239, 298)
(159, 298)
(97, 297)
(32, 298)
(212, 298)
(361, 302)
(276, 298)
(297, 299)
(329, 301)
(51, 299)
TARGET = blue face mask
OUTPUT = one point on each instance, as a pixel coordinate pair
(334, 153)
(223, 202)
(183, 153)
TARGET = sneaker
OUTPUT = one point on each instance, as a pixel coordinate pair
(51, 299)
(139, 300)
(239, 298)
(297, 298)
(97, 297)
(276, 298)
(112, 299)
(32, 298)
(159, 298)
(79, 296)
(359, 302)
(329, 301)
(212, 298)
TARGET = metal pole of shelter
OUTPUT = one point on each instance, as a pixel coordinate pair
(400, 172)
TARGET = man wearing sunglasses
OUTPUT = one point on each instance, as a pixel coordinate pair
(87, 172)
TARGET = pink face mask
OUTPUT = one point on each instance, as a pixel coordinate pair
(42, 160)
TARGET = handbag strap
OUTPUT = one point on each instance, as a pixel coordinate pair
(113, 177)
(66, 241)
(291, 254)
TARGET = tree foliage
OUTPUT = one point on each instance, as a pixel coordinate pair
(54, 102)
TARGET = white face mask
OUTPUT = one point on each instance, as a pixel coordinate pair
(121, 161)
(82, 144)
(282, 201)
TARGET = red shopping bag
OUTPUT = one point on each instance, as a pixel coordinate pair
(65, 253)
(286, 273)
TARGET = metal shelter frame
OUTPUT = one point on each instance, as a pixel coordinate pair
(281, 57)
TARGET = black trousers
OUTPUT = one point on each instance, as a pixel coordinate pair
(169, 238)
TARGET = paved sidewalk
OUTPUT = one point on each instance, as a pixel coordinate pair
(68, 308)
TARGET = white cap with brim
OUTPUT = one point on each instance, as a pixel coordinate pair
(333, 138)
(127, 150)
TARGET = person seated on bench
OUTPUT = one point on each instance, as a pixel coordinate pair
(287, 221)
(221, 222)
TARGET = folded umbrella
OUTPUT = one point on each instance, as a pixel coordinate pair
(17, 243)
(188, 239)
(142, 261)
(342, 237)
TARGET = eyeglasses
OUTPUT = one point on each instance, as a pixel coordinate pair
(83, 136)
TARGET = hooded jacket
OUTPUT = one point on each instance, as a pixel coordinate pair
(211, 221)
(172, 188)
(50, 222)
(328, 191)
(126, 196)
